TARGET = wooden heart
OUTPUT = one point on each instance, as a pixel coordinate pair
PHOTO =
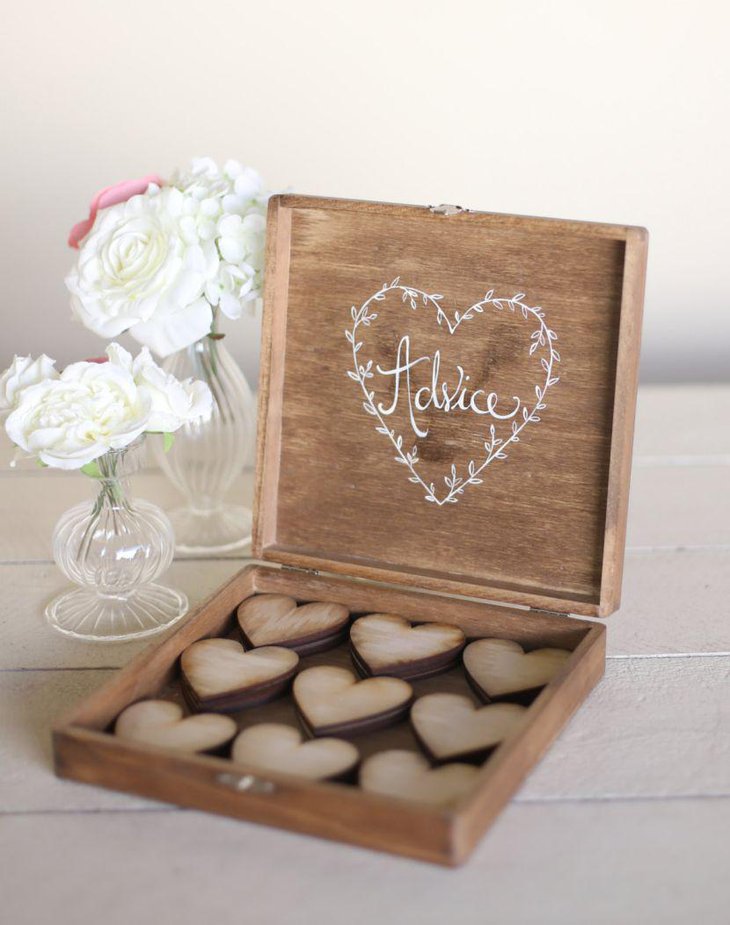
(450, 727)
(276, 620)
(499, 669)
(162, 724)
(386, 644)
(405, 774)
(383, 385)
(331, 701)
(216, 674)
(277, 747)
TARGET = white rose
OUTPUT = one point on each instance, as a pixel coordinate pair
(143, 268)
(89, 409)
(22, 373)
(173, 403)
(120, 357)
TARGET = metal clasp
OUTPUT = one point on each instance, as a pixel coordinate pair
(247, 783)
(446, 209)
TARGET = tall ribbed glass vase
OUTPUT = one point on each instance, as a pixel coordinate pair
(207, 456)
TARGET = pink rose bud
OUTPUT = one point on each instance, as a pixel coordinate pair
(110, 196)
(96, 360)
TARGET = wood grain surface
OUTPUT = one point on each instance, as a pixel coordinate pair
(546, 527)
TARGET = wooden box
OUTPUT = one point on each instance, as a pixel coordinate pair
(446, 415)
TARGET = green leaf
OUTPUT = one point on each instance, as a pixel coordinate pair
(167, 441)
(92, 469)
(41, 464)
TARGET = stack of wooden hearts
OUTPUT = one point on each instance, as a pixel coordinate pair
(276, 620)
(218, 674)
(450, 734)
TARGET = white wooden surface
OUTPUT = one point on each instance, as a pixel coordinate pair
(625, 821)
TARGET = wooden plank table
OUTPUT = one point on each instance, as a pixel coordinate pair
(625, 821)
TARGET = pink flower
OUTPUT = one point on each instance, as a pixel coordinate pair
(110, 196)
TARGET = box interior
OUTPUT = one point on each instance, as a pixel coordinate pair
(399, 735)
(85, 750)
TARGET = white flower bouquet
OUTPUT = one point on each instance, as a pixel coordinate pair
(70, 419)
(160, 259)
(92, 416)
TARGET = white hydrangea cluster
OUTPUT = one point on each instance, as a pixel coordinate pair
(231, 211)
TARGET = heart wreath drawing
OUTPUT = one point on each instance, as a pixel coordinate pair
(541, 345)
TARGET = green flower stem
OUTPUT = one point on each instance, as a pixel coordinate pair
(214, 336)
(104, 470)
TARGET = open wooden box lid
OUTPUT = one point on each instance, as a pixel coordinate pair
(447, 399)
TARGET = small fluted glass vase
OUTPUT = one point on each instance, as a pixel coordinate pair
(208, 455)
(113, 548)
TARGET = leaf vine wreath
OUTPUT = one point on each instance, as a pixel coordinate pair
(495, 447)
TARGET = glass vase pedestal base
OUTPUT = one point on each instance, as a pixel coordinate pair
(210, 532)
(84, 614)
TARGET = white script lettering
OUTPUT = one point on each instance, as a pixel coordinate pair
(437, 394)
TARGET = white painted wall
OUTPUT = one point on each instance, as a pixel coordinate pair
(608, 111)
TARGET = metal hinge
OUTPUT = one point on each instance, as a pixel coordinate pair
(552, 613)
(446, 209)
(246, 783)
(301, 571)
